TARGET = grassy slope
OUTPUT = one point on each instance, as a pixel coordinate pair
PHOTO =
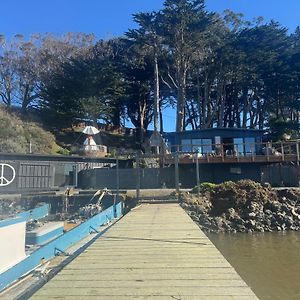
(16, 133)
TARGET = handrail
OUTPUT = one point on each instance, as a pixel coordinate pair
(256, 148)
(236, 152)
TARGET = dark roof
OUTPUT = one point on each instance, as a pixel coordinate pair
(219, 129)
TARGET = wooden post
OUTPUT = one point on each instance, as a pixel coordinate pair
(115, 208)
(118, 177)
(298, 162)
(138, 179)
(177, 172)
(237, 152)
(222, 152)
(75, 175)
(282, 151)
(268, 151)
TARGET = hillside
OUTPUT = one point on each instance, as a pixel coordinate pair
(16, 135)
(73, 139)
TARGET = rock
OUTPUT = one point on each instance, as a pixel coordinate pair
(253, 223)
(184, 206)
(252, 215)
(244, 207)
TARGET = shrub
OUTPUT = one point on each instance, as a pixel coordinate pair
(239, 195)
(204, 187)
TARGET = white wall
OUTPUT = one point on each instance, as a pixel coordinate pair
(12, 245)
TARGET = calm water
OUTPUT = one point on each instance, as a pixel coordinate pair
(268, 262)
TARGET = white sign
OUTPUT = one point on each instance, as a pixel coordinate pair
(6, 180)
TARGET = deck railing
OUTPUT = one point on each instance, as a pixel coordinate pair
(241, 152)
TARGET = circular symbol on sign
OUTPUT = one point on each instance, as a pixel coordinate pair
(7, 174)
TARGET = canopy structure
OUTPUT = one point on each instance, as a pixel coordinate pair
(90, 130)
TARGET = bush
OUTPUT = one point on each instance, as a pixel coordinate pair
(204, 187)
(239, 195)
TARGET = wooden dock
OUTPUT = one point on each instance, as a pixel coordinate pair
(154, 252)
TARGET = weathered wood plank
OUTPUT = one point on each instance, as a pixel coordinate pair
(154, 252)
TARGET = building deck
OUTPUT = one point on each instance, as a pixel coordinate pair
(154, 252)
(190, 159)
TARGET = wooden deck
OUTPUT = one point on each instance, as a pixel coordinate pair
(190, 159)
(155, 252)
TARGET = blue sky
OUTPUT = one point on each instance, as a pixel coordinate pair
(109, 18)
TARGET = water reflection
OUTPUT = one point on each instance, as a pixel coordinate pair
(268, 262)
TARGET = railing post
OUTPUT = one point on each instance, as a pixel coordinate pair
(268, 151)
(177, 172)
(237, 152)
(118, 177)
(252, 152)
(222, 152)
(298, 162)
(138, 179)
(115, 206)
(282, 151)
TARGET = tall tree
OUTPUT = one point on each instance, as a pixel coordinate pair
(184, 22)
(147, 37)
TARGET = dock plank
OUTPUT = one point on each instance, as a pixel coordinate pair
(154, 252)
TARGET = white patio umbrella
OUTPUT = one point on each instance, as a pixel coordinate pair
(90, 130)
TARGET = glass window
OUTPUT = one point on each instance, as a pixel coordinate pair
(186, 145)
(239, 146)
(206, 146)
(250, 146)
(197, 145)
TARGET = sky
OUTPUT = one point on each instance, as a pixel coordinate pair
(111, 18)
(108, 18)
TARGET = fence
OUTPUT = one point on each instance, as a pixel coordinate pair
(29, 173)
(186, 170)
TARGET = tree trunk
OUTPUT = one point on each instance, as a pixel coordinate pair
(161, 118)
(199, 101)
(156, 91)
(116, 118)
(180, 108)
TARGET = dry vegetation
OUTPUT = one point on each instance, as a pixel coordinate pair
(15, 135)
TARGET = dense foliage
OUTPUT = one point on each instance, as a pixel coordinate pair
(216, 70)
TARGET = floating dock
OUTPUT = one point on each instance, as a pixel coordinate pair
(155, 252)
